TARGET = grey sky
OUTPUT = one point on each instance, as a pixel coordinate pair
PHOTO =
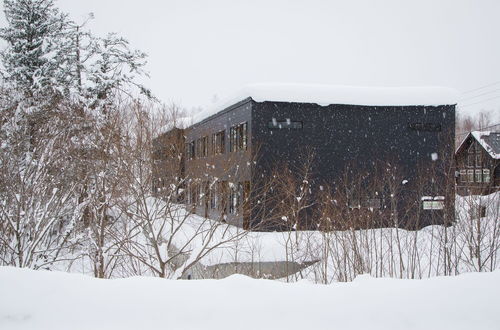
(198, 49)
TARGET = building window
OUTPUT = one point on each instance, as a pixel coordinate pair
(213, 196)
(235, 194)
(463, 176)
(425, 127)
(202, 147)
(471, 157)
(486, 175)
(238, 137)
(190, 150)
(478, 160)
(470, 175)
(284, 124)
(479, 176)
(222, 196)
(193, 193)
(433, 205)
(219, 143)
(470, 160)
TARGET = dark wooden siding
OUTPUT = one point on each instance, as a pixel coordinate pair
(467, 187)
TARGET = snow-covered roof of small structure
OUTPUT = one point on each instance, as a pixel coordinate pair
(328, 94)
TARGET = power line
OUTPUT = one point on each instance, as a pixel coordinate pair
(486, 93)
(482, 128)
(491, 98)
(479, 88)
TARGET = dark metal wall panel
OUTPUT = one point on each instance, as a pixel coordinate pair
(356, 138)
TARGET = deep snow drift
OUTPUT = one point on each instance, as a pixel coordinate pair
(50, 300)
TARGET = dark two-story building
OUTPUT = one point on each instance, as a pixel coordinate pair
(231, 151)
(478, 163)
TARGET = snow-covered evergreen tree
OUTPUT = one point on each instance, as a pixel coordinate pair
(31, 61)
(58, 99)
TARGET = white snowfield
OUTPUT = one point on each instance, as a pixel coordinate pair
(330, 94)
(51, 300)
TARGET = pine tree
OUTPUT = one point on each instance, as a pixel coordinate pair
(30, 62)
(60, 86)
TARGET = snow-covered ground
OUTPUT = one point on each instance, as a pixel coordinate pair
(51, 300)
(468, 246)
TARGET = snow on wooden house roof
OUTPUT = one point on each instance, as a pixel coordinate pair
(328, 94)
(490, 141)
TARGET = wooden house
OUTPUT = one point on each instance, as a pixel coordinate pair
(478, 163)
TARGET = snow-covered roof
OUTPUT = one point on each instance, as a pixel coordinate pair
(490, 141)
(328, 94)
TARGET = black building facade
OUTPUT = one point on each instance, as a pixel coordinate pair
(230, 155)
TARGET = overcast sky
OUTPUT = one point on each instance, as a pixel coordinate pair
(198, 49)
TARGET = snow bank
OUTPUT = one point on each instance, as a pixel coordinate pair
(49, 300)
(327, 94)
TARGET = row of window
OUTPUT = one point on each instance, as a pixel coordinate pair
(478, 175)
(474, 160)
(223, 196)
(433, 203)
(238, 140)
(474, 156)
(425, 127)
(284, 124)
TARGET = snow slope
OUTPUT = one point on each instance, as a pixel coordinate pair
(50, 300)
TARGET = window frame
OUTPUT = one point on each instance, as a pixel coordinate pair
(287, 124)
(470, 176)
(238, 137)
(432, 205)
(219, 143)
(479, 161)
(463, 176)
(478, 176)
(486, 175)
